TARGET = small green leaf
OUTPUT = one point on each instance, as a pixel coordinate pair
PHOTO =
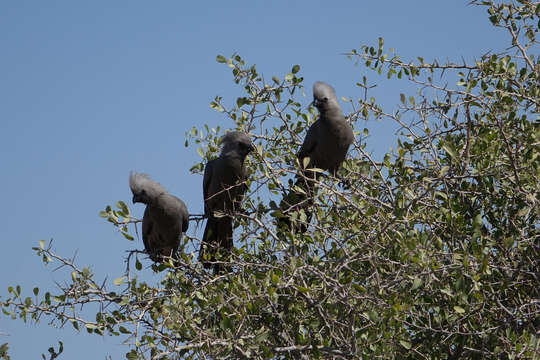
(416, 283)
(405, 344)
(132, 355)
(123, 330)
(459, 309)
(119, 281)
(477, 222)
(60, 298)
(295, 69)
(122, 206)
(200, 151)
(42, 244)
(450, 150)
(221, 59)
(125, 300)
(373, 316)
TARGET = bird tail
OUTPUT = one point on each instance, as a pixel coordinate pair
(217, 238)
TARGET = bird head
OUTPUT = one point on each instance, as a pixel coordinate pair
(143, 188)
(140, 197)
(324, 97)
(237, 143)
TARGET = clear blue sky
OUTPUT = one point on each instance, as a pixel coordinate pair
(91, 90)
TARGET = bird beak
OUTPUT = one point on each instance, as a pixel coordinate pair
(316, 103)
(135, 199)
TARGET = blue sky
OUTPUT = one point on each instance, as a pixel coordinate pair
(92, 90)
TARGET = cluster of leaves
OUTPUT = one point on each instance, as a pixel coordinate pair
(432, 252)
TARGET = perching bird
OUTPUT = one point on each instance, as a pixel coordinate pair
(326, 144)
(165, 217)
(224, 184)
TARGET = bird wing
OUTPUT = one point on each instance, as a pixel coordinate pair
(185, 216)
(207, 179)
(310, 141)
(147, 229)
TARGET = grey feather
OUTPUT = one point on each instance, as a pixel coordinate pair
(328, 139)
(326, 144)
(223, 189)
(165, 218)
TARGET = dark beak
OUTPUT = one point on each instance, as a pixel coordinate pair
(135, 199)
(316, 103)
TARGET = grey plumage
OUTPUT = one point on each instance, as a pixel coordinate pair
(326, 144)
(223, 189)
(165, 218)
(328, 139)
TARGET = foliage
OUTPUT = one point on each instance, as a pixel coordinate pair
(4, 351)
(431, 253)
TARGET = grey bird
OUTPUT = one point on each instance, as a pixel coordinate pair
(224, 185)
(326, 144)
(165, 218)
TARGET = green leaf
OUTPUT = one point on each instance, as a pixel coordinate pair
(295, 69)
(200, 151)
(416, 283)
(221, 59)
(478, 222)
(122, 206)
(450, 150)
(373, 316)
(459, 309)
(3, 351)
(59, 298)
(132, 355)
(123, 330)
(405, 344)
(120, 280)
